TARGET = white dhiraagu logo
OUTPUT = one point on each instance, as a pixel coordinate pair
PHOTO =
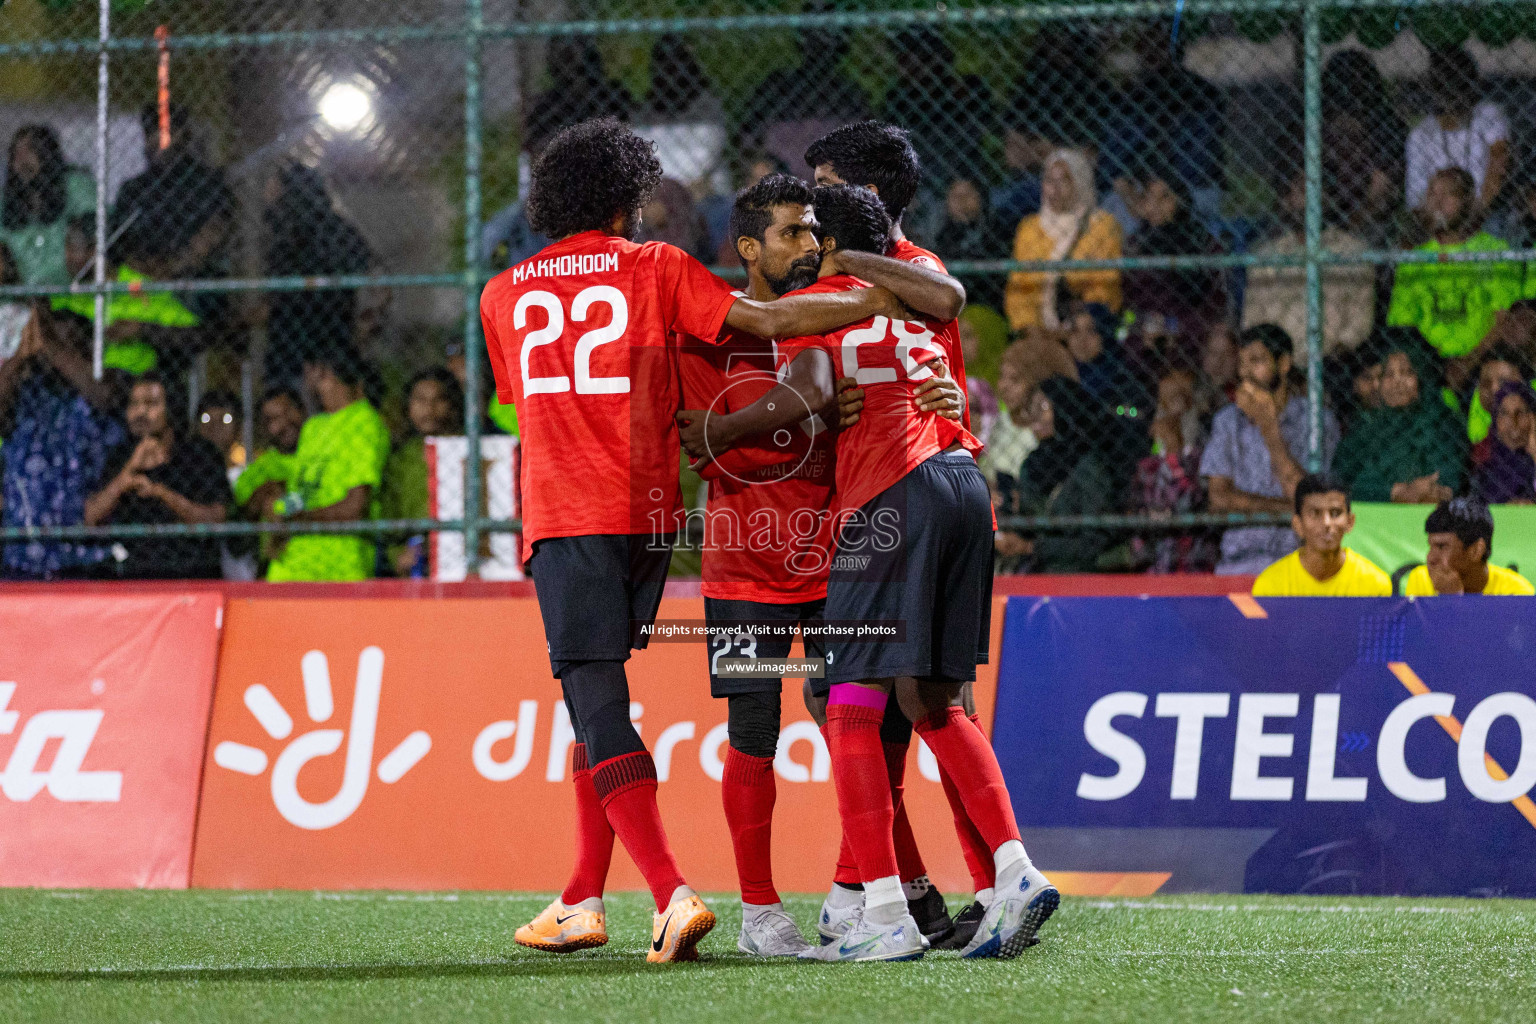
(64, 779)
(264, 707)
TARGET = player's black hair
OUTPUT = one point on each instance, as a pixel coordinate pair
(1275, 339)
(871, 153)
(752, 211)
(282, 391)
(1320, 483)
(1468, 518)
(217, 400)
(589, 174)
(852, 215)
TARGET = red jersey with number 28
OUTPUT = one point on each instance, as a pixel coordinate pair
(948, 332)
(582, 339)
(888, 359)
(768, 521)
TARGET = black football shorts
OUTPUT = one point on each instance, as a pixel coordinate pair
(721, 614)
(598, 593)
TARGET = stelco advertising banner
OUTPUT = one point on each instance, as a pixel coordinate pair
(424, 745)
(103, 711)
(1293, 746)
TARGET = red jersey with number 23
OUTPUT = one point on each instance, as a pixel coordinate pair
(582, 339)
(948, 332)
(889, 359)
(768, 522)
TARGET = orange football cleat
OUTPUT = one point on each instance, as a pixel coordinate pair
(563, 929)
(675, 933)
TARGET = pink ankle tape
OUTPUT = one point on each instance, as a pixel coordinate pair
(853, 693)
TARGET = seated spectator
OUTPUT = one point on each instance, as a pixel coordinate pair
(177, 216)
(1322, 566)
(1508, 475)
(307, 236)
(218, 422)
(970, 231)
(265, 478)
(42, 193)
(1011, 438)
(1024, 153)
(670, 217)
(1168, 480)
(980, 398)
(58, 423)
(1258, 445)
(1099, 363)
(793, 107)
(1363, 142)
(434, 408)
(1068, 475)
(1188, 301)
(13, 314)
(337, 469)
(1501, 364)
(1278, 295)
(928, 92)
(1410, 449)
(1218, 369)
(1460, 541)
(140, 325)
(1454, 305)
(1068, 226)
(1463, 131)
(579, 90)
(156, 477)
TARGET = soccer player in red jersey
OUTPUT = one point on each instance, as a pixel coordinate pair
(914, 507)
(767, 536)
(880, 157)
(582, 338)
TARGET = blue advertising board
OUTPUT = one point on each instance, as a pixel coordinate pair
(1297, 745)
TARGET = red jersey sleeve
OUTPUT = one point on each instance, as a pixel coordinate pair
(693, 301)
(494, 353)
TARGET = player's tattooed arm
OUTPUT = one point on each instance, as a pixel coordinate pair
(797, 316)
(807, 386)
(929, 292)
(939, 393)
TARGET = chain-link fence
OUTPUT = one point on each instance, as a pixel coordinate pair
(1208, 246)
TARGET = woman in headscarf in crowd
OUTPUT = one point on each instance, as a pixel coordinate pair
(308, 237)
(1509, 474)
(42, 194)
(1069, 226)
(1178, 303)
(1069, 474)
(1410, 448)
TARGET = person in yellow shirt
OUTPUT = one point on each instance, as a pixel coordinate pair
(1322, 566)
(1460, 541)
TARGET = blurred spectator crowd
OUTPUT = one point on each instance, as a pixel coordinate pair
(1150, 391)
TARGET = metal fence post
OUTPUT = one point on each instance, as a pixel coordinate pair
(1311, 75)
(474, 22)
(99, 330)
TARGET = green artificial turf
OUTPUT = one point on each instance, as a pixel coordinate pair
(375, 957)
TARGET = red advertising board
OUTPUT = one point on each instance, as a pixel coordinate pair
(104, 702)
(424, 745)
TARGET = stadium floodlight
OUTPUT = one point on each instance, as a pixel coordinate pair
(346, 106)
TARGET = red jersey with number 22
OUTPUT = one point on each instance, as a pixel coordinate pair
(582, 338)
(888, 359)
(948, 332)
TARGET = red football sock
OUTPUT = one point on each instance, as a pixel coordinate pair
(748, 791)
(594, 838)
(960, 747)
(909, 861)
(626, 785)
(863, 787)
(847, 872)
(978, 859)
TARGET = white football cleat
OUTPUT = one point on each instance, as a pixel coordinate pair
(771, 933)
(1015, 915)
(864, 941)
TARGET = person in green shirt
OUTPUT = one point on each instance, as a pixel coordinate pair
(138, 323)
(265, 478)
(435, 408)
(42, 193)
(1410, 448)
(337, 469)
(1454, 305)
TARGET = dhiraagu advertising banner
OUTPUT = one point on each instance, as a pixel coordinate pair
(1298, 745)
